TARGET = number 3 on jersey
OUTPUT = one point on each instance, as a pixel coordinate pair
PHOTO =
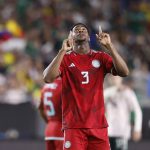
(85, 76)
(49, 103)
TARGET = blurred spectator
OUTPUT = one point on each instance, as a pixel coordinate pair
(136, 18)
(140, 79)
(120, 101)
(148, 86)
(17, 89)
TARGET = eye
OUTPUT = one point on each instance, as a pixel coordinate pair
(79, 29)
(84, 29)
(76, 30)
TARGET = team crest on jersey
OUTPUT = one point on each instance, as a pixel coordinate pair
(67, 144)
(96, 63)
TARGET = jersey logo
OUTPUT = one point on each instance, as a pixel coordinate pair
(72, 65)
(96, 63)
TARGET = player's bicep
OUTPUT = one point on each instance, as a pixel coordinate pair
(41, 105)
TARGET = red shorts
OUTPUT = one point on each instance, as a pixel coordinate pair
(86, 139)
(54, 145)
(53, 129)
(54, 136)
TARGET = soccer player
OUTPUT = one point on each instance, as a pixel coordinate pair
(120, 101)
(82, 71)
(50, 109)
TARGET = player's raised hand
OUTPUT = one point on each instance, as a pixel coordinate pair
(70, 38)
(103, 38)
(67, 43)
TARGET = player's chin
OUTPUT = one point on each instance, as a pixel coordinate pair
(80, 40)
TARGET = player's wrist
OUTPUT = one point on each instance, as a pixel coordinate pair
(62, 50)
(111, 48)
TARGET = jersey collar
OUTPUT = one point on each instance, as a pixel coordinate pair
(89, 53)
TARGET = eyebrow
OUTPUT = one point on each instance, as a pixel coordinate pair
(77, 27)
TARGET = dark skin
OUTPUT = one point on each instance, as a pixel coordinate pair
(78, 41)
(80, 38)
(43, 114)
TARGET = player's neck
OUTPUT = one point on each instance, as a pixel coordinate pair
(82, 48)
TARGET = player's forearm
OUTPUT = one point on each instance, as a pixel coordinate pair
(44, 118)
(118, 61)
(52, 71)
(43, 115)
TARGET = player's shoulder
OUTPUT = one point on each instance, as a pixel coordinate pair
(98, 52)
(46, 86)
(95, 51)
(50, 86)
(68, 55)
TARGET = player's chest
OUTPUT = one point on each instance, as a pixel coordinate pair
(84, 63)
(84, 70)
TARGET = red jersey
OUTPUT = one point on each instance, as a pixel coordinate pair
(51, 100)
(51, 104)
(82, 89)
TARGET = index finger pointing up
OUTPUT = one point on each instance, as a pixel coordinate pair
(100, 29)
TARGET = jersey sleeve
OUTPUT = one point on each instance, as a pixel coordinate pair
(108, 64)
(61, 68)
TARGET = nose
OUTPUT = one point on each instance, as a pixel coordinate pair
(81, 30)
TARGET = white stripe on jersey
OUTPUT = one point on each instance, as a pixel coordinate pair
(54, 138)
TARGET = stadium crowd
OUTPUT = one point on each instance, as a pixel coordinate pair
(31, 33)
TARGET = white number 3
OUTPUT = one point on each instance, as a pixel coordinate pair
(86, 76)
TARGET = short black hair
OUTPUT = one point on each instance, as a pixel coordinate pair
(77, 24)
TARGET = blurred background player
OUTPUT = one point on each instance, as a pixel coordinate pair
(120, 101)
(50, 110)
